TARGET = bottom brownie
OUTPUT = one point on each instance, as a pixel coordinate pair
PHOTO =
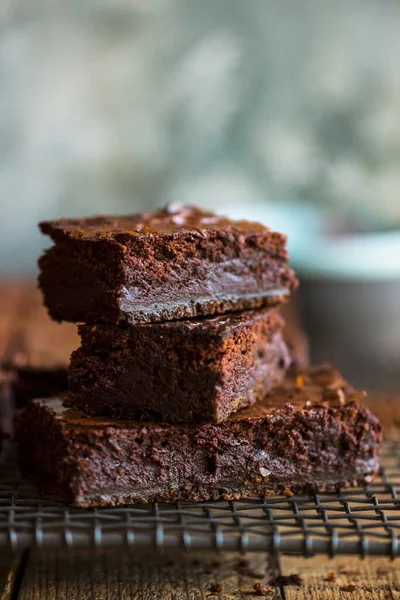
(309, 434)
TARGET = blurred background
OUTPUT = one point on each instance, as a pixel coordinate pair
(282, 111)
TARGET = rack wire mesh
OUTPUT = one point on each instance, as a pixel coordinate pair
(354, 521)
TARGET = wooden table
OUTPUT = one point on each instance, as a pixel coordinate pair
(140, 576)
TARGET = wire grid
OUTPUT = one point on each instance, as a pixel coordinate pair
(355, 521)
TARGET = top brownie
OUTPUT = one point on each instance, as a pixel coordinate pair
(175, 263)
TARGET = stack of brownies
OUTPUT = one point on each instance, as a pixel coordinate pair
(181, 389)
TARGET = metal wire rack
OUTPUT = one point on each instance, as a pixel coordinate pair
(356, 521)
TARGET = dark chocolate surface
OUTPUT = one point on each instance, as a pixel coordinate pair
(170, 264)
(179, 371)
(309, 434)
(170, 220)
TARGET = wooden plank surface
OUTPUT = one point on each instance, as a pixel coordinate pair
(141, 576)
(9, 572)
(347, 578)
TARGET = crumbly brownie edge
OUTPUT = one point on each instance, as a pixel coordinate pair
(304, 451)
(233, 272)
(199, 371)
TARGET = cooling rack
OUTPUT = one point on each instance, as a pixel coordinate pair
(354, 521)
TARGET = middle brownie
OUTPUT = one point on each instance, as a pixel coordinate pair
(178, 371)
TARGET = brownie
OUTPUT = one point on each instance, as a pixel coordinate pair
(309, 434)
(195, 371)
(175, 263)
(38, 349)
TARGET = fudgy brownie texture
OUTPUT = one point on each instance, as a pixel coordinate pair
(309, 434)
(158, 266)
(38, 350)
(179, 371)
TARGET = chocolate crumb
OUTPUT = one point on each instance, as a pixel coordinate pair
(283, 580)
(261, 590)
(348, 588)
(216, 588)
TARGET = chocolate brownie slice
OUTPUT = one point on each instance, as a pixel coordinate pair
(169, 264)
(195, 371)
(309, 434)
